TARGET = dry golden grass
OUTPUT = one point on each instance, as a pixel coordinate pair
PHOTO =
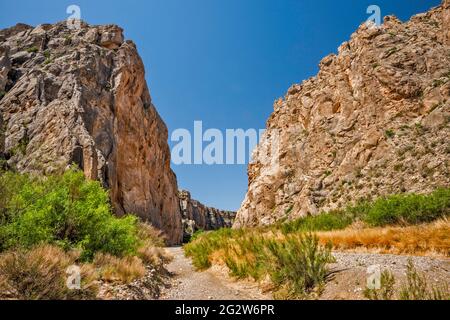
(114, 269)
(40, 273)
(426, 239)
(154, 256)
(151, 236)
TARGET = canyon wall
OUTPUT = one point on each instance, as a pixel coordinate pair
(374, 121)
(80, 96)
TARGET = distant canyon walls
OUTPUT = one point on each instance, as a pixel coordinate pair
(197, 216)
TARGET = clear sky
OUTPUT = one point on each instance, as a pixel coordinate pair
(221, 61)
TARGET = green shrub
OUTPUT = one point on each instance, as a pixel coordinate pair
(409, 208)
(296, 264)
(205, 244)
(389, 133)
(402, 208)
(32, 49)
(299, 264)
(324, 221)
(196, 235)
(66, 210)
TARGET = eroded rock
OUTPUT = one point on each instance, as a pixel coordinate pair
(374, 121)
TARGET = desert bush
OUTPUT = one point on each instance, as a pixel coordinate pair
(65, 210)
(206, 243)
(324, 221)
(40, 274)
(150, 236)
(299, 264)
(296, 264)
(196, 235)
(395, 209)
(154, 256)
(409, 208)
(118, 269)
(417, 287)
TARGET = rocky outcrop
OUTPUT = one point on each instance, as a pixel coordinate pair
(80, 96)
(374, 121)
(197, 216)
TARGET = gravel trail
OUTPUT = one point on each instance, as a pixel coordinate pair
(212, 284)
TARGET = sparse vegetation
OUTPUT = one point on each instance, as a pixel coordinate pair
(32, 49)
(40, 274)
(279, 251)
(416, 240)
(416, 287)
(296, 264)
(389, 133)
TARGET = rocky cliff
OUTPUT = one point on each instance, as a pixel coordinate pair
(197, 216)
(80, 96)
(374, 121)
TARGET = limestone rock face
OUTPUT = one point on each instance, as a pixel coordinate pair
(80, 96)
(374, 121)
(197, 216)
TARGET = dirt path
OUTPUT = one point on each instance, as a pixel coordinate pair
(189, 284)
(347, 283)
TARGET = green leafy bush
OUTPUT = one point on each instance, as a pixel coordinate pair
(402, 208)
(65, 210)
(409, 208)
(300, 264)
(325, 221)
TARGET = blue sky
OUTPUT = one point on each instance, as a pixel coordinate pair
(222, 62)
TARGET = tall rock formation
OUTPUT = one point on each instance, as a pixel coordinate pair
(197, 216)
(374, 121)
(80, 96)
